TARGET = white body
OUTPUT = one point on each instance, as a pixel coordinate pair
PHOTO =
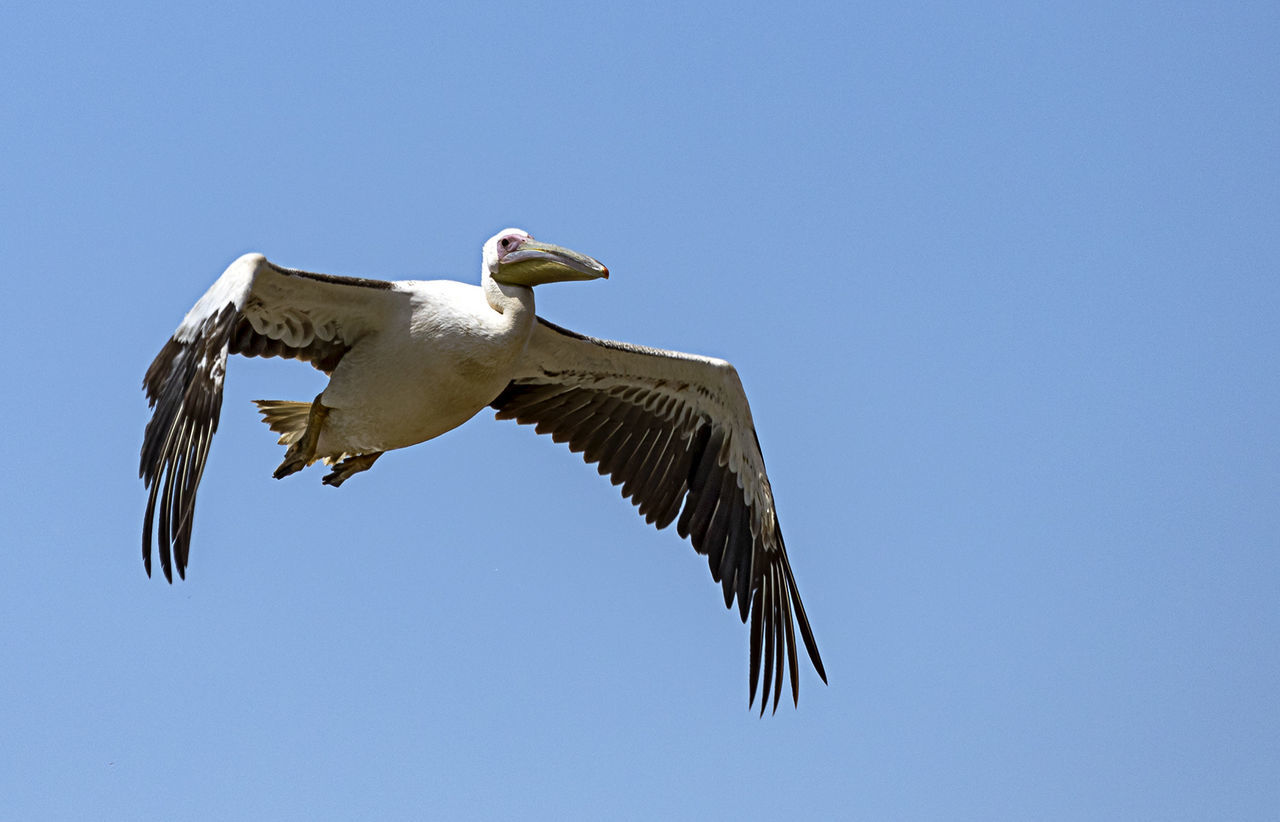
(427, 369)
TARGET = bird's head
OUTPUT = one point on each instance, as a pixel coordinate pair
(513, 257)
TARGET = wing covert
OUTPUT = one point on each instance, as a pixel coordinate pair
(675, 431)
(255, 308)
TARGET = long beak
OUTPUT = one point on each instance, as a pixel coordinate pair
(535, 263)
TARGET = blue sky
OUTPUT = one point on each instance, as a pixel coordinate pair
(1002, 283)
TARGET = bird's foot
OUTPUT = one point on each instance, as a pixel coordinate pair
(349, 466)
(293, 463)
(303, 452)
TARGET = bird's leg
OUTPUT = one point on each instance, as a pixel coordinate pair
(349, 466)
(302, 452)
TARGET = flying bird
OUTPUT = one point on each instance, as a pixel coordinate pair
(410, 360)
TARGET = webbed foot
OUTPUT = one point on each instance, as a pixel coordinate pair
(349, 466)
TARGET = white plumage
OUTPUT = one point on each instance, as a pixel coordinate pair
(410, 360)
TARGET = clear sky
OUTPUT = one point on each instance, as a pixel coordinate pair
(1003, 285)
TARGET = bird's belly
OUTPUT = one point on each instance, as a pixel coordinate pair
(379, 403)
(392, 421)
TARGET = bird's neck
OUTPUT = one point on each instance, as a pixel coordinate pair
(513, 302)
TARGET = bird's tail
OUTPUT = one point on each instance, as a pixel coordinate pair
(286, 417)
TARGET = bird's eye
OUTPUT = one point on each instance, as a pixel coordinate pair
(510, 243)
(507, 242)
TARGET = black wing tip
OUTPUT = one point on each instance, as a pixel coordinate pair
(775, 610)
(185, 389)
(817, 664)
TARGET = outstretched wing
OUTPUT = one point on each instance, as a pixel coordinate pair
(675, 431)
(258, 309)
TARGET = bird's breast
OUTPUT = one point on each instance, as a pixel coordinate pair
(414, 381)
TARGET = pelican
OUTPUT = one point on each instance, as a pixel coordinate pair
(410, 360)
